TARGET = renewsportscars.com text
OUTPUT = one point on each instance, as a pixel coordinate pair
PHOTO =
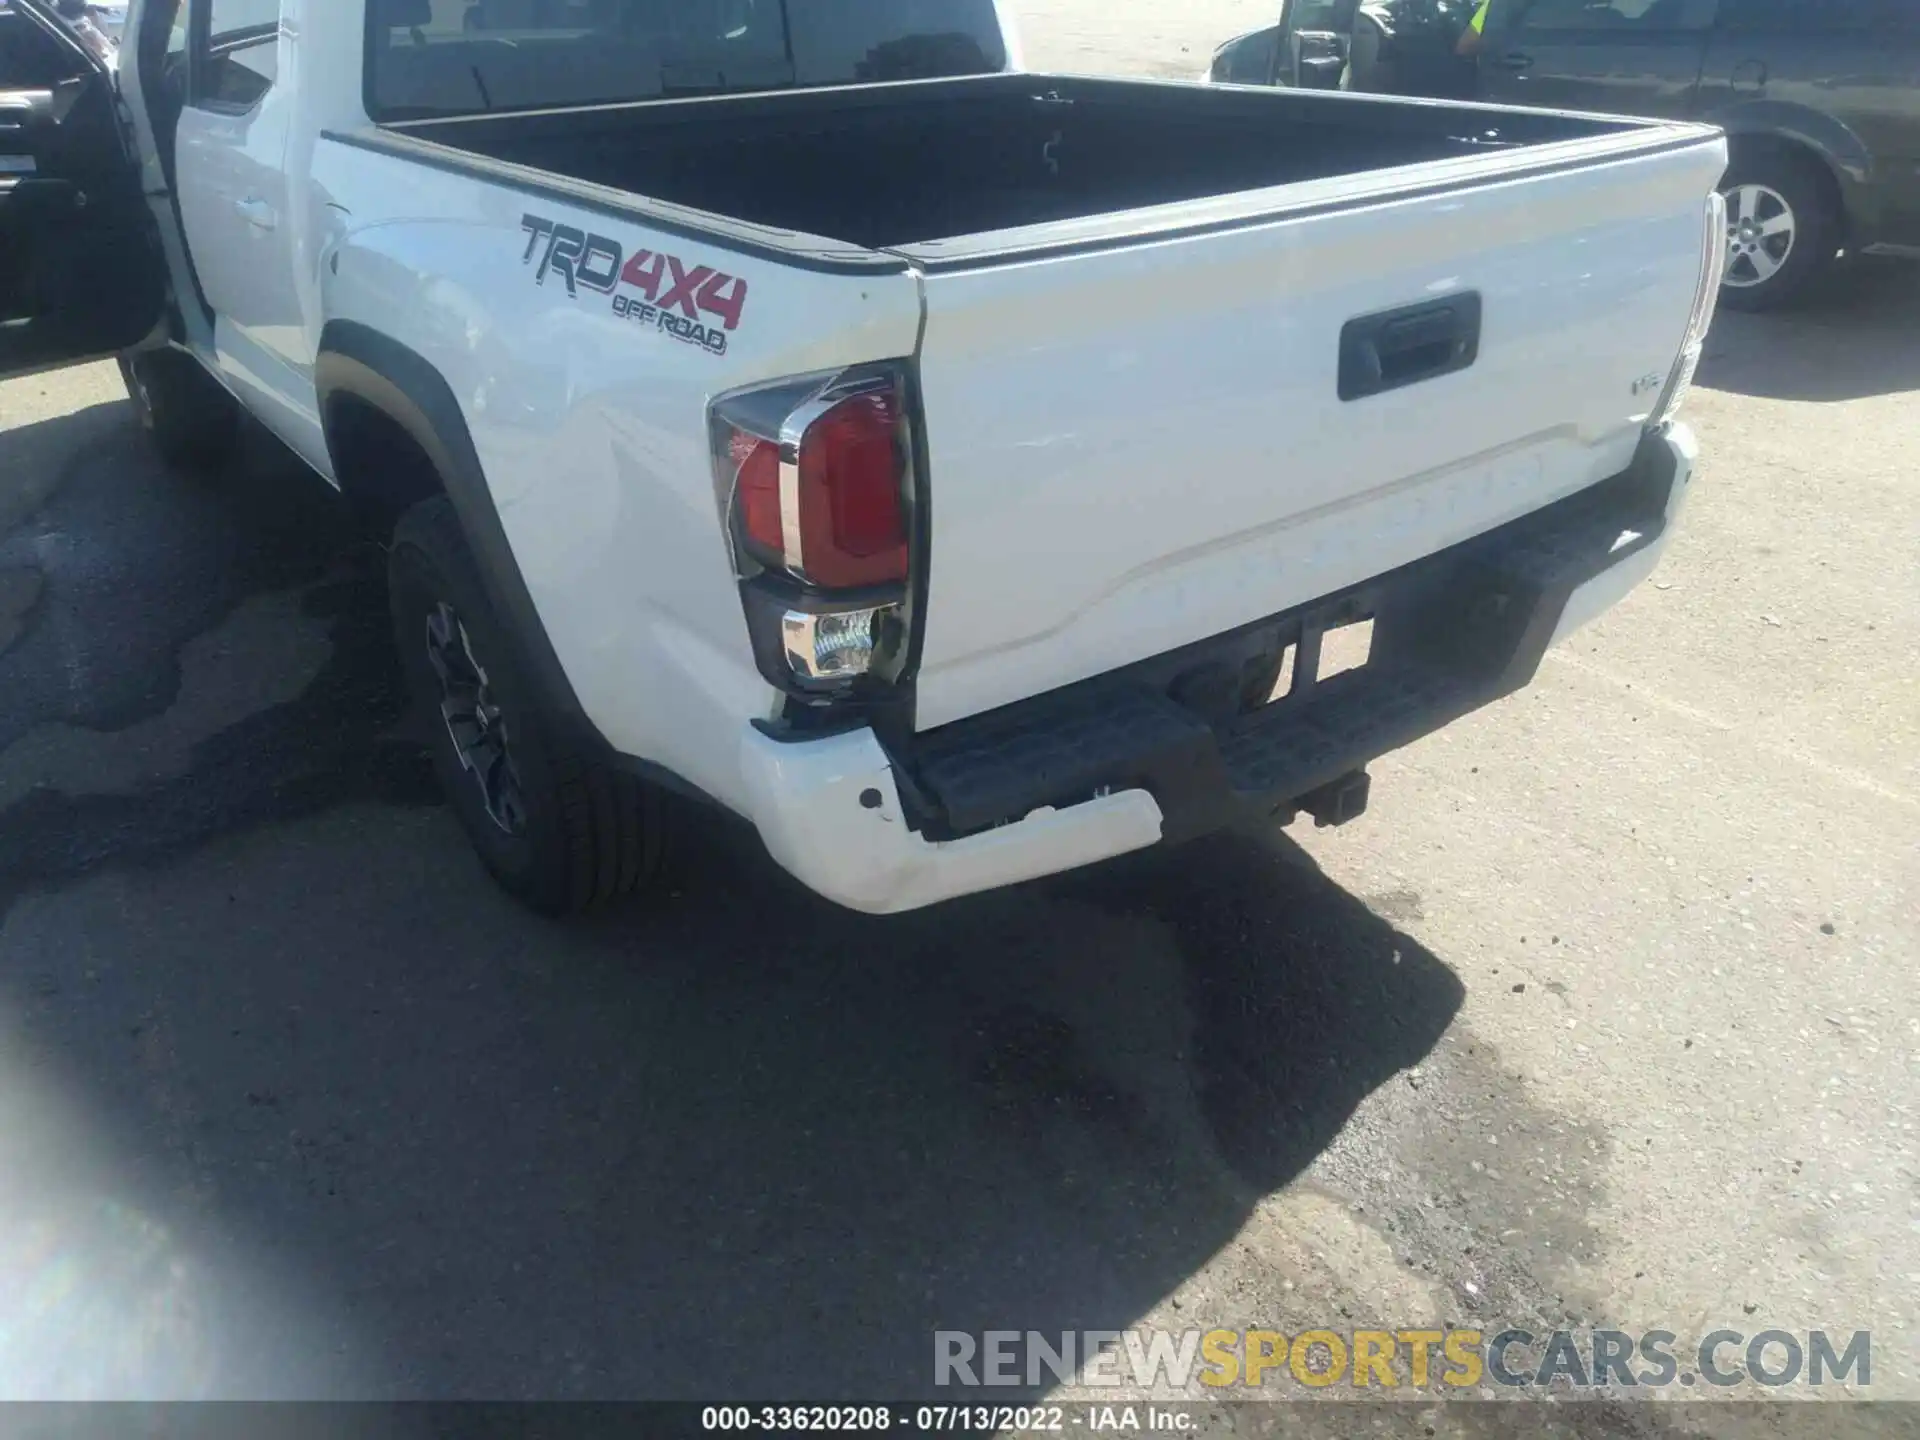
(1417, 1359)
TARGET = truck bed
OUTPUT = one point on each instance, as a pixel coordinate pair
(897, 165)
(1186, 358)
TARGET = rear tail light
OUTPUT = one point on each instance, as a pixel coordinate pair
(756, 468)
(849, 477)
(1706, 299)
(815, 479)
(830, 647)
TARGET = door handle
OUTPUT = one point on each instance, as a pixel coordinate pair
(1405, 346)
(1515, 60)
(257, 213)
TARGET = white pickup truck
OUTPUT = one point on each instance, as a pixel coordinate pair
(962, 474)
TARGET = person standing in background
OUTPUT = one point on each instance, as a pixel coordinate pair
(1475, 35)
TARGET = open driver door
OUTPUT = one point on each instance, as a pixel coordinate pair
(1307, 50)
(81, 272)
(1314, 40)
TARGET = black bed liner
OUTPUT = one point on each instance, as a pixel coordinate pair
(890, 165)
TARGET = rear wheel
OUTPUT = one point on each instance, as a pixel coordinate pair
(557, 828)
(192, 421)
(1783, 228)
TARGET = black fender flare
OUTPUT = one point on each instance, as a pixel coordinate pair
(358, 361)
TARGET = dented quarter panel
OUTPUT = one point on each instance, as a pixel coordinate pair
(590, 421)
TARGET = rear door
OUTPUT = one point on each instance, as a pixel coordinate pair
(1628, 57)
(237, 212)
(80, 269)
(1137, 444)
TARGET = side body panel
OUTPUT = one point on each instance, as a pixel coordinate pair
(235, 194)
(587, 484)
(587, 412)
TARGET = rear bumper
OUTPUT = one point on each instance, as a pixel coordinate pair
(1172, 748)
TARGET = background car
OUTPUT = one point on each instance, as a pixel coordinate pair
(1820, 97)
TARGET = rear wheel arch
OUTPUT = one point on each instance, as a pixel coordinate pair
(560, 819)
(398, 438)
(378, 462)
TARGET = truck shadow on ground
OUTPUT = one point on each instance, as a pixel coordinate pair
(1852, 338)
(740, 1144)
(733, 1141)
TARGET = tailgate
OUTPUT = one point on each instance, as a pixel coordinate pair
(1141, 445)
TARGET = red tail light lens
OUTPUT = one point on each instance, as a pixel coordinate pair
(815, 477)
(853, 528)
(755, 464)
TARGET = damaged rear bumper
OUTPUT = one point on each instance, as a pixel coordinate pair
(1181, 745)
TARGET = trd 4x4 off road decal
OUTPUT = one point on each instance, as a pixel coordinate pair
(671, 296)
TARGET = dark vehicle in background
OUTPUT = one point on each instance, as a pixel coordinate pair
(1387, 47)
(1820, 100)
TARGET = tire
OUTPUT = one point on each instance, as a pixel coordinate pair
(558, 830)
(1768, 267)
(191, 420)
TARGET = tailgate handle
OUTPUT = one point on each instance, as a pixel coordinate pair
(1408, 345)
